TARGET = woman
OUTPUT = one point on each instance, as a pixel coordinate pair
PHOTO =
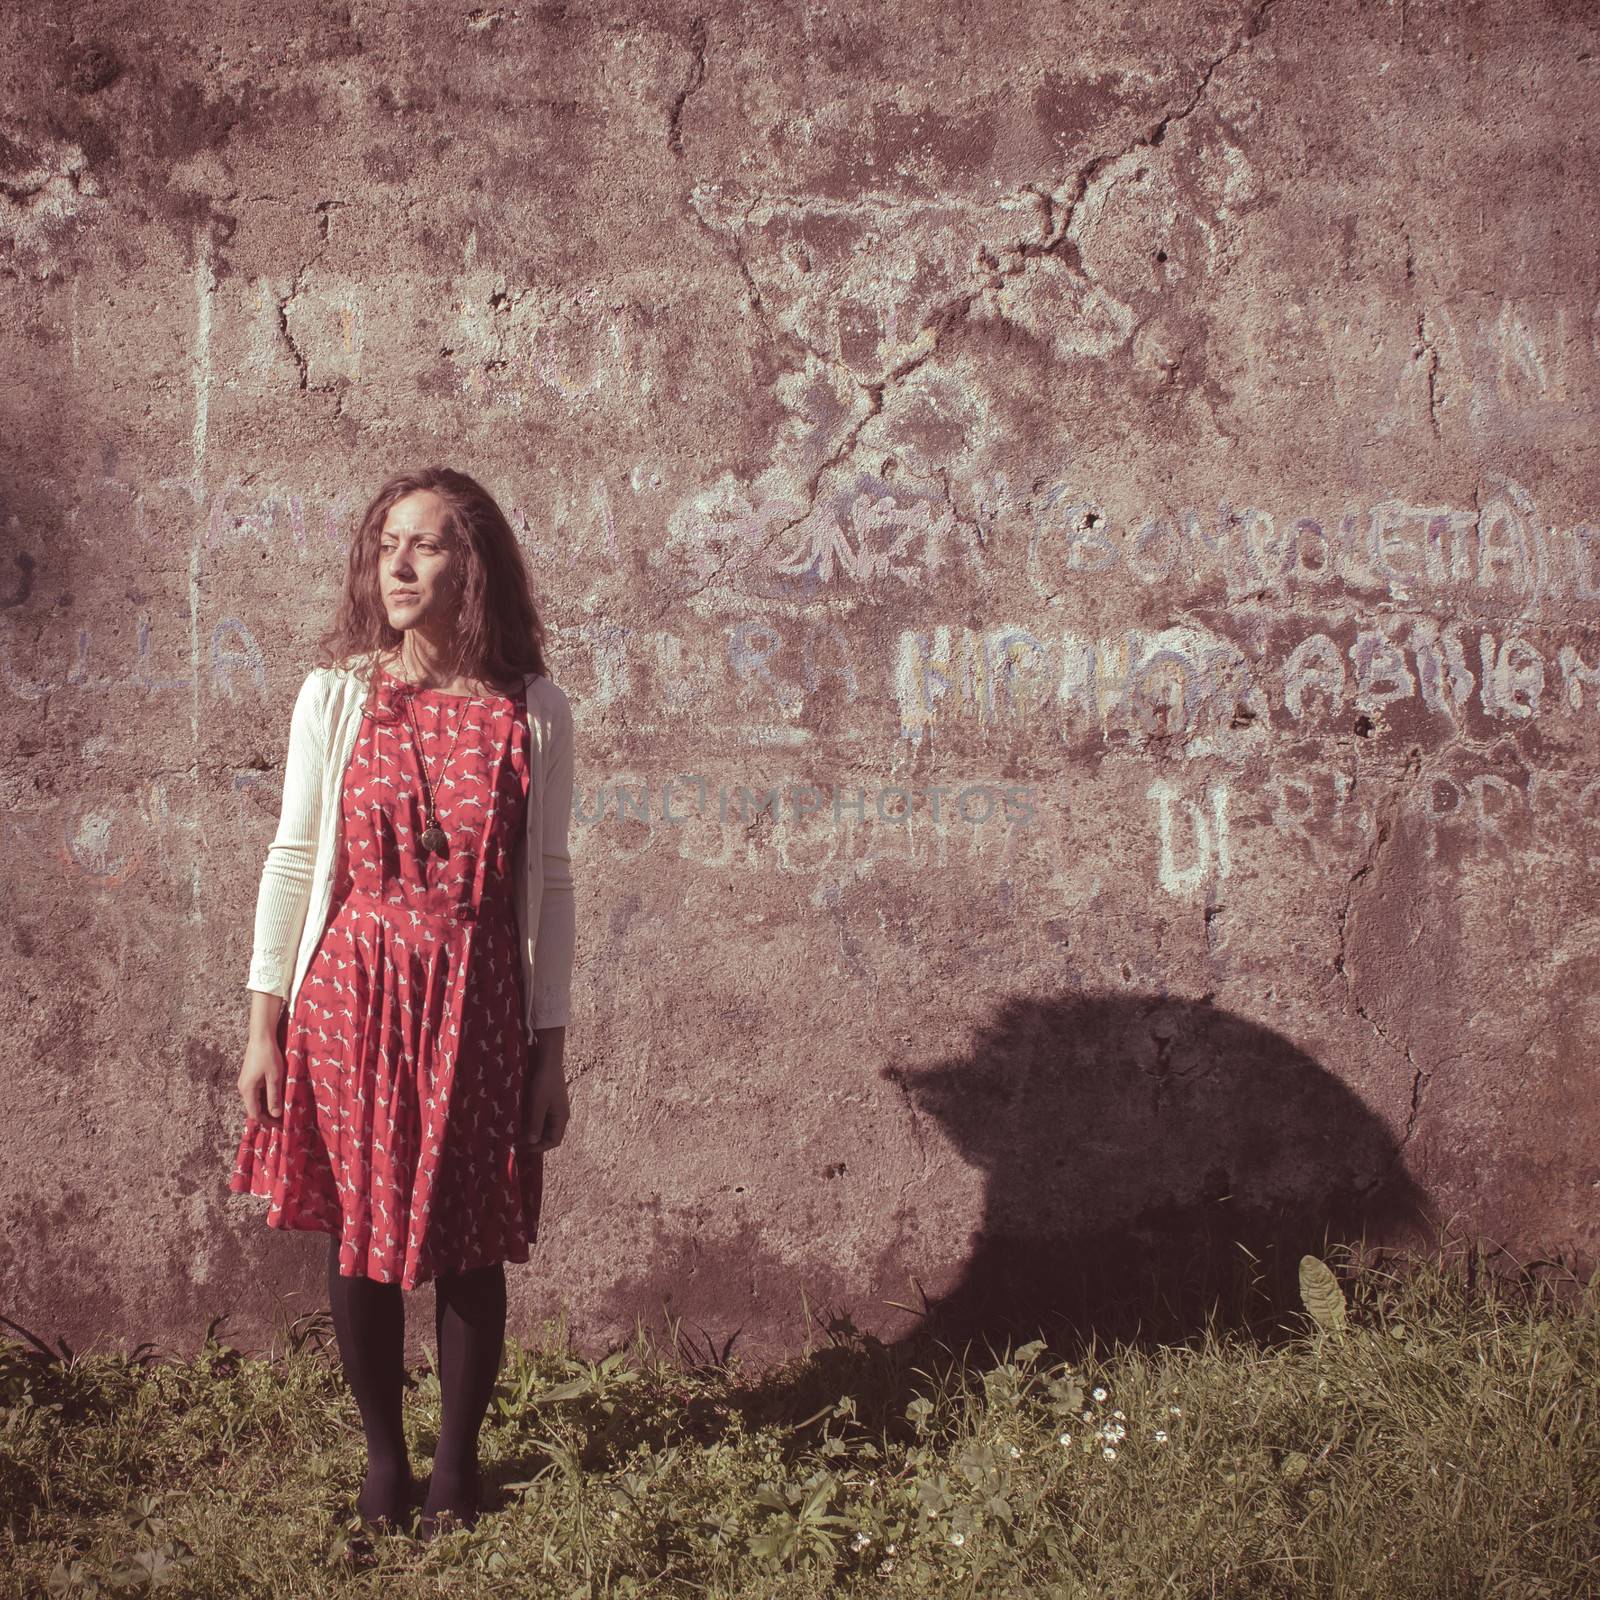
(412, 964)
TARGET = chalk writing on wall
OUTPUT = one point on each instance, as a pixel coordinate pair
(1193, 837)
(230, 660)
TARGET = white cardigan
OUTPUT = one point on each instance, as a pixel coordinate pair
(298, 876)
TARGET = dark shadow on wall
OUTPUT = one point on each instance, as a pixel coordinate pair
(1130, 1144)
(1151, 1162)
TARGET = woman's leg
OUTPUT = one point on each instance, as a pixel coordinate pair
(369, 1320)
(470, 1322)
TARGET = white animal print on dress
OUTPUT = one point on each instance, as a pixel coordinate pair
(399, 1120)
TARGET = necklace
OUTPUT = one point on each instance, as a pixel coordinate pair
(433, 838)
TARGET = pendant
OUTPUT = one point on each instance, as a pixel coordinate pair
(433, 839)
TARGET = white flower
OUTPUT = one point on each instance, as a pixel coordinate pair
(1161, 1435)
(1117, 1415)
(1099, 1394)
(885, 1568)
(1016, 1454)
(1066, 1438)
(1109, 1453)
(1175, 1410)
(958, 1537)
(863, 1539)
(1088, 1416)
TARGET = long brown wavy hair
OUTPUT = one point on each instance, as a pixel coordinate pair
(499, 636)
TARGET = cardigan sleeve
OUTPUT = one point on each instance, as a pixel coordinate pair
(556, 939)
(285, 890)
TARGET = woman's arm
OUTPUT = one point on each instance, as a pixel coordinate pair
(262, 1074)
(285, 890)
(549, 1050)
(265, 1009)
(545, 1107)
(281, 903)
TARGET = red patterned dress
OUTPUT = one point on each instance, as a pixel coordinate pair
(407, 1046)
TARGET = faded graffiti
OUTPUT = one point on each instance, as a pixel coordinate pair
(1499, 550)
(229, 659)
(1168, 683)
(729, 545)
(1184, 680)
(1203, 853)
(1484, 634)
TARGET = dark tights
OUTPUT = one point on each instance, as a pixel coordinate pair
(470, 1325)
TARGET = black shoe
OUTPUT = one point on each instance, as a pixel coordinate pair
(394, 1513)
(461, 1511)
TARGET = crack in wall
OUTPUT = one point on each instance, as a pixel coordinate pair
(973, 522)
(1383, 832)
(1015, 259)
(1426, 347)
(1057, 243)
(697, 77)
(1419, 1084)
(896, 1075)
(845, 447)
(1164, 1074)
(728, 244)
(284, 302)
(324, 230)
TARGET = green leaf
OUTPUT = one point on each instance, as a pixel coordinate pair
(975, 1463)
(1067, 1393)
(771, 1546)
(1321, 1295)
(564, 1391)
(818, 1498)
(70, 1579)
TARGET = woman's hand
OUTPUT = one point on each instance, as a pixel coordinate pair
(263, 1059)
(262, 1078)
(544, 1093)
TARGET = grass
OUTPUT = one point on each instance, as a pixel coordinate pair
(1425, 1427)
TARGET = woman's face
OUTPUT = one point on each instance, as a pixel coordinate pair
(415, 567)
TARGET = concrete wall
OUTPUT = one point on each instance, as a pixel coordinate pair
(1159, 441)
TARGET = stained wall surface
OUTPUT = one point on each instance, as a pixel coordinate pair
(1071, 536)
